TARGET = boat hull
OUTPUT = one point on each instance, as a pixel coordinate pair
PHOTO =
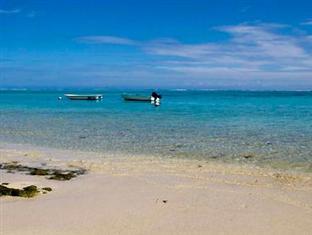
(137, 98)
(83, 97)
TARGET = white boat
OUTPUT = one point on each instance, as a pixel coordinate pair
(84, 96)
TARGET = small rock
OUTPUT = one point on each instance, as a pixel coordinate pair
(164, 201)
(247, 156)
(38, 171)
(29, 191)
(47, 189)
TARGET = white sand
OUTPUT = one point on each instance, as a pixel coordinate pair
(122, 196)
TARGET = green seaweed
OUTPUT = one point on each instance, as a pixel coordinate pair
(47, 189)
(53, 174)
(38, 171)
(5, 191)
(66, 175)
(29, 191)
(13, 167)
(62, 176)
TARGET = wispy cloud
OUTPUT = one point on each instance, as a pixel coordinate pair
(308, 22)
(106, 40)
(9, 12)
(252, 52)
(251, 48)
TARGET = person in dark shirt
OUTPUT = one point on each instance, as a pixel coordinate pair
(155, 95)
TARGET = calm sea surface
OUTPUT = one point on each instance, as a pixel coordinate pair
(262, 128)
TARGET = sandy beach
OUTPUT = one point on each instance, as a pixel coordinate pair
(146, 195)
(155, 117)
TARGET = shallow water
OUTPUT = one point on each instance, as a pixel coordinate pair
(262, 128)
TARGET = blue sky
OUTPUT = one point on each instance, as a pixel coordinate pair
(156, 44)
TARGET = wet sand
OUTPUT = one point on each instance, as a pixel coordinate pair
(146, 195)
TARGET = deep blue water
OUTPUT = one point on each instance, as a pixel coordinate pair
(275, 128)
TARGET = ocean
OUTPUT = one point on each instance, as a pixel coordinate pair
(263, 128)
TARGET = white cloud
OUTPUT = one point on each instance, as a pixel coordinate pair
(309, 22)
(252, 48)
(252, 52)
(8, 12)
(106, 40)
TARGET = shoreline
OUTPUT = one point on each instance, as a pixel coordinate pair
(146, 195)
(242, 161)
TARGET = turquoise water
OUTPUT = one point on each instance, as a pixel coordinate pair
(262, 128)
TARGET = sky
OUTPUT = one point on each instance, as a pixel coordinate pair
(200, 44)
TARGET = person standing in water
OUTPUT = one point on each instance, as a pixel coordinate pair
(155, 98)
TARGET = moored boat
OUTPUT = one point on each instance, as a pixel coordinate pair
(154, 97)
(137, 98)
(84, 96)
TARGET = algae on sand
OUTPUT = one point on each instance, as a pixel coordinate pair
(29, 191)
(53, 174)
(47, 189)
